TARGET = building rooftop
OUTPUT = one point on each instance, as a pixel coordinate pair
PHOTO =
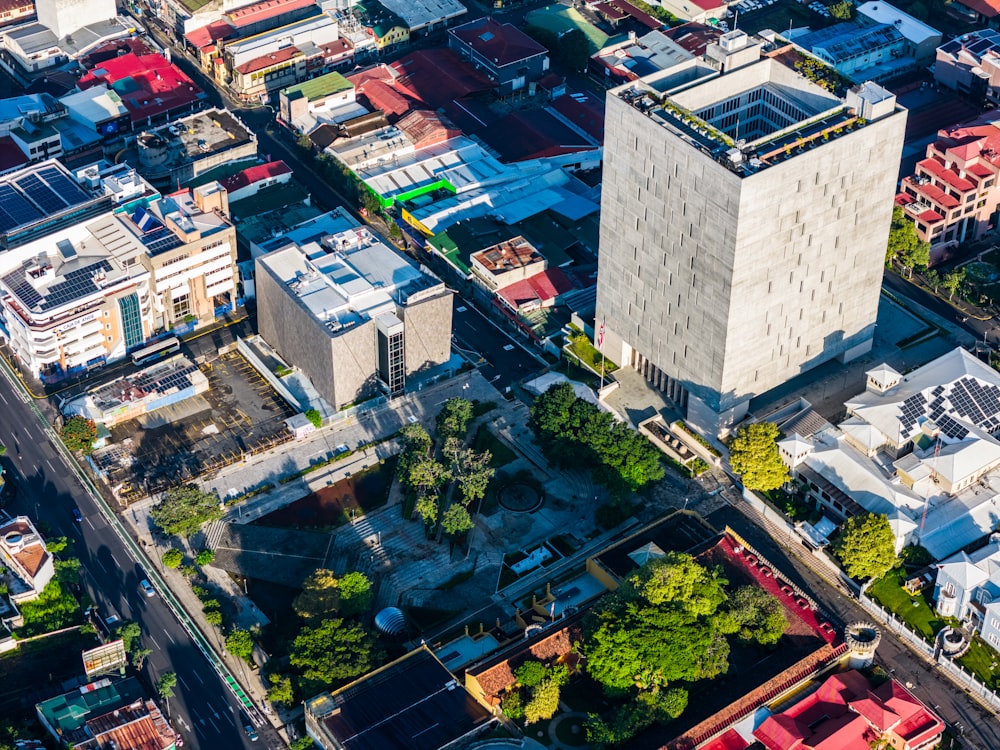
(507, 255)
(266, 61)
(319, 87)
(67, 714)
(97, 104)
(21, 541)
(136, 726)
(253, 174)
(413, 702)
(347, 278)
(540, 288)
(417, 14)
(694, 37)
(503, 43)
(259, 12)
(189, 139)
(148, 85)
(985, 8)
(915, 31)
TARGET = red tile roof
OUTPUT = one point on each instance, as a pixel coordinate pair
(728, 740)
(266, 61)
(263, 11)
(935, 194)
(543, 287)
(437, 76)
(503, 43)
(985, 8)
(147, 84)
(936, 168)
(205, 36)
(253, 174)
(583, 110)
(381, 95)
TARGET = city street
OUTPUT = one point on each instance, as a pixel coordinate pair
(203, 709)
(506, 361)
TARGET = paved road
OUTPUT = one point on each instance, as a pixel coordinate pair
(506, 360)
(203, 709)
(894, 283)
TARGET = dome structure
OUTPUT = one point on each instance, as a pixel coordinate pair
(391, 621)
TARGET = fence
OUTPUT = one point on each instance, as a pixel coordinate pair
(958, 674)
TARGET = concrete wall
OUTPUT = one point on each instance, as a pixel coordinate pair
(427, 336)
(734, 285)
(63, 17)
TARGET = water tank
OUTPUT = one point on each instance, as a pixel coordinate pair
(391, 621)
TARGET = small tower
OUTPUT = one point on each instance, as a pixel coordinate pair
(862, 638)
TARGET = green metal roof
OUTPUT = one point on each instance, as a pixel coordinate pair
(324, 85)
(69, 712)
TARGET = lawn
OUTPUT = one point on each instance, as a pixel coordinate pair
(487, 441)
(983, 662)
(913, 610)
(580, 345)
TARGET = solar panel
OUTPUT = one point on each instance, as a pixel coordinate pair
(68, 190)
(15, 211)
(40, 194)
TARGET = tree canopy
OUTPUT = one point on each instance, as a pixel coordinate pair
(904, 245)
(866, 546)
(184, 509)
(453, 419)
(79, 433)
(240, 643)
(166, 684)
(334, 650)
(757, 616)
(456, 520)
(659, 628)
(575, 433)
(470, 469)
(323, 595)
(753, 454)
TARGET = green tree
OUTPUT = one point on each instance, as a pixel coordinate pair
(933, 279)
(68, 571)
(280, 690)
(904, 242)
(427, 475)
(79, 433)
(658, 628)
(54, 608)
(302, 743)
(753, 454)
(355, 590)
(842, 10)
(530, 674)
(205, 557)
(58, 544)
(427, 509)
(138, 656)
(513, 705)
(470, 469)
(213, 617)
(3, 449)
(544, 702)
(240, 643)
(172, 558)
(573, 50)
(757, 615)
(953, 281)
(456, 520)
(184, 509)
(319, 598)
(453, 419)
(866, 546)
(166, 684)
(130, 634)
(334, 650)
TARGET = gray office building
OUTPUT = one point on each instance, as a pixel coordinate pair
(744, 220)
(354, 315)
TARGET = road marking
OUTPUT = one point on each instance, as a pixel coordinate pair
(116, 560)
(170, 636)
(214, 725)
(154, 641)
(53, 468)
(199, 678)
(181, 679)
(102, 565)
(4, 399)
(230, 718)
(92, 527)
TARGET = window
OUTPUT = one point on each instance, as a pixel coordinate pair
(181, 306)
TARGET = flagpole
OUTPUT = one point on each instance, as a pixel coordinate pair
(600, 348)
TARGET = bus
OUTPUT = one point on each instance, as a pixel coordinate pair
(156, 350)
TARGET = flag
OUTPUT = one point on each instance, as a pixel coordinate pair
(600, 336)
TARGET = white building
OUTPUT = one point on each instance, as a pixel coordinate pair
(968, 588)
(920, 449)
(25, 564)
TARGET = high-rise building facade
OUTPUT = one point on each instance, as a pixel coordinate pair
(744, 220)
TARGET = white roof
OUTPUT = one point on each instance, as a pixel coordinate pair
(963, 572)
(963, 459)
(884, 373)
(95, 105)
(796, 444)
(914, 30)
(863, 434)
(417, 14)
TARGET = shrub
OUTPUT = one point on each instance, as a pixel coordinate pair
(213, 617)
(512, 705)
(172, 558)
(205, 557)
(314, 417)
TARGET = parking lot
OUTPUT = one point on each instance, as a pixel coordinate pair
(779, 15)
(239, 415)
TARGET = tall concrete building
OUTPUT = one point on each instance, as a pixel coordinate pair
(355, 315)
(744, 220)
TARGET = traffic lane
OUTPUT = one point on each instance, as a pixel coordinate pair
(111, 574)
(506, 361)
(933, 688)
(898, 285)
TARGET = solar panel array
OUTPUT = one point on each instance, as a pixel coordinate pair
(160, 240)
(33, 194)
(179, 378)
(74, 285)
(965, 398)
